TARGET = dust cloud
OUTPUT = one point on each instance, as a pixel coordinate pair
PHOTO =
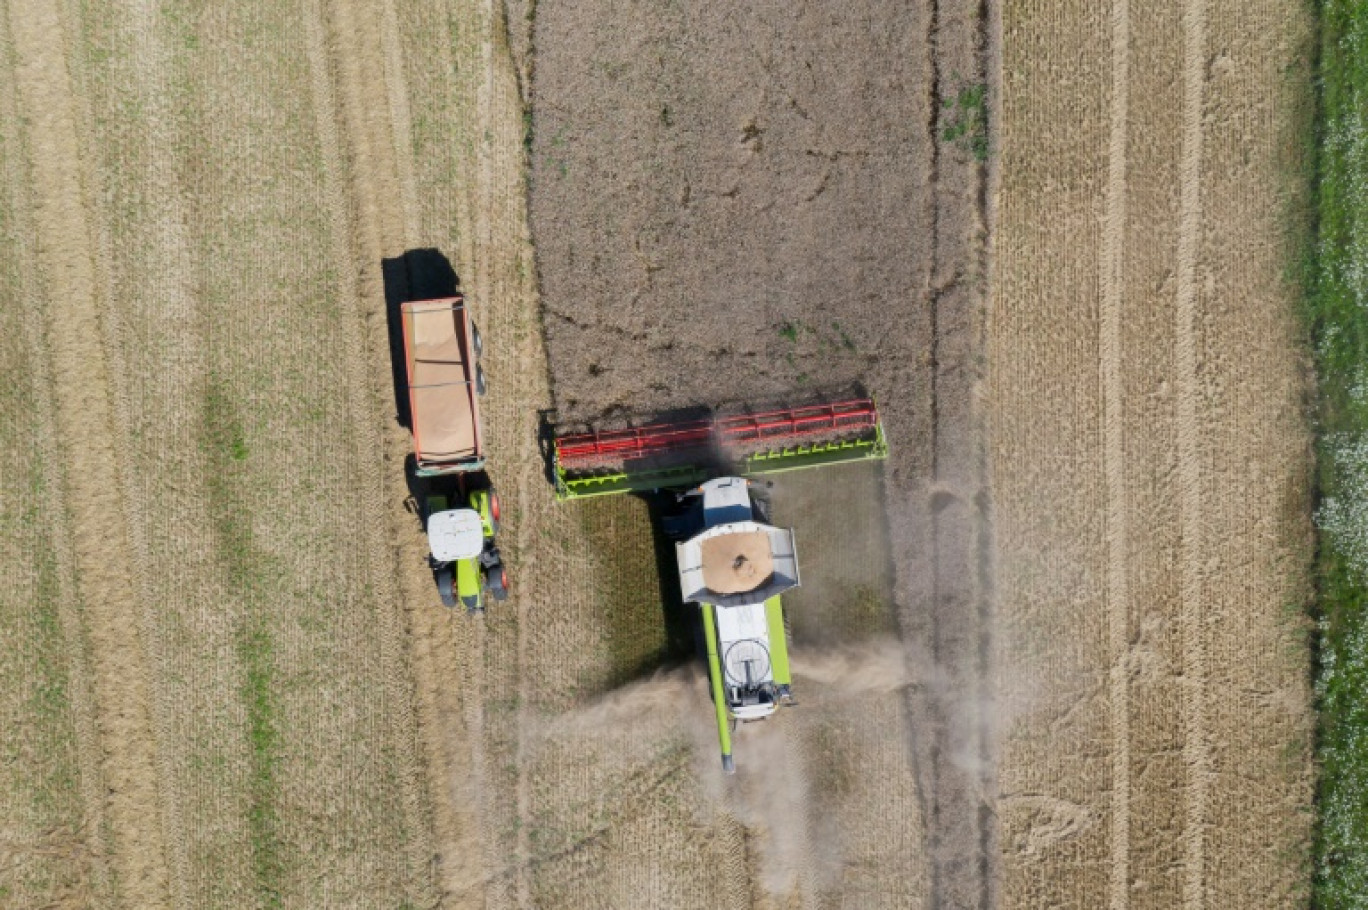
(789, 767)
(870, 667)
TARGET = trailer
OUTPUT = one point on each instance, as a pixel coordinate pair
(442, 349)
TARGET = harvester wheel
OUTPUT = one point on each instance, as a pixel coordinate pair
(476, 340)
(445, 586)
(763, 508)
(479, 380)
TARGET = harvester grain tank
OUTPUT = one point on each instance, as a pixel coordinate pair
(731, 561)
(442, 349)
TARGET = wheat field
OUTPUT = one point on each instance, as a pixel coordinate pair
(1059, 664)
(1151, 457)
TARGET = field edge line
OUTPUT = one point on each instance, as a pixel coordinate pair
(332, 120)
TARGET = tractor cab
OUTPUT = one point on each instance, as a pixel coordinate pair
(464, 557)
(725, 500)
(455, 534)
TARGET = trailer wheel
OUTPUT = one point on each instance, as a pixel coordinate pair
(479, 380)
(476, 340)
(445, 587)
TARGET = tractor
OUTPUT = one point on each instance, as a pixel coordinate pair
(442, 348)
(465, 558)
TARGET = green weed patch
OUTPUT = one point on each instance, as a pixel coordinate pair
(1337, 304)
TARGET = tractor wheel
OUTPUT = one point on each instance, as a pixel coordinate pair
(480, 387)
(494, 511)
(476, 340)
(445, 586)
(498, 583)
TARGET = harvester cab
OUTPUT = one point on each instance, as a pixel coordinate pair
(465, 558)
(731, 561)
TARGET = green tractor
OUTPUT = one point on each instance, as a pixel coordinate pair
(442, 350)
(465, 558)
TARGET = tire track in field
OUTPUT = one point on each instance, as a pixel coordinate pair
(85, 424)
(362, 237)
(1196, 754)
(94, 832)
(465, 649)
(401, 121)
(484, 231)
(961, 782)
(1117, 505)
(181, 351)
(451, 652)
(500, 77)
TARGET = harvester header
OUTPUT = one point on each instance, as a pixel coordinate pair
(675, 455)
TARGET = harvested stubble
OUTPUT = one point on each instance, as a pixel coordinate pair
(1149, 458)
(49, 789)
(250, 692)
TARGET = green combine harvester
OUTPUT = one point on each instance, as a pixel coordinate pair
(731, 561)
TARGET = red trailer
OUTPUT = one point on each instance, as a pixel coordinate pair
(442, 353)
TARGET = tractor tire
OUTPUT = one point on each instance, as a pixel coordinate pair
(476, 341)
(498, 583)
(494, 511)
(480, 386)
(446, 586)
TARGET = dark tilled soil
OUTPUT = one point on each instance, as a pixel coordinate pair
(776, 202)
(731, 203)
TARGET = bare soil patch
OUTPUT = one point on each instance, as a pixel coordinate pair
(730, 205)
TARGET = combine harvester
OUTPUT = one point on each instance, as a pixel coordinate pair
(731, 561)
(442, 350)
